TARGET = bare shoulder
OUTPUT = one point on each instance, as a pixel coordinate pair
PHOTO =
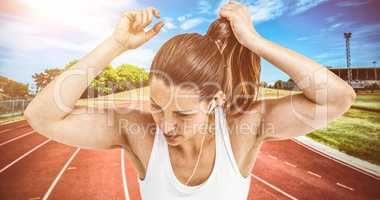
(138, 129)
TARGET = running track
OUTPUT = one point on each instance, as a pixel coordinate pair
(33, 167)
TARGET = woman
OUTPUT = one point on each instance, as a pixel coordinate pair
(202, 136)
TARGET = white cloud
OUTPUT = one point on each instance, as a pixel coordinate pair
(337, 25)
(191, 23)
(261, 10)
(169, 24)
(204, 6)
(92, 17)
(264, 10)
(366, 30)
(46, 24)
(352, 3)
(304, 38)
(183, 17)
(23, 37)
(303, 5)
(333, 18)
(47, 33)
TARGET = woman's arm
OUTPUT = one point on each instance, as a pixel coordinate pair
(325, 96)
(53, 113)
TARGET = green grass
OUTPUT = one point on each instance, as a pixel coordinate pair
(368, 101)
(356, 133)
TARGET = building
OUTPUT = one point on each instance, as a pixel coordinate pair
(361, 76)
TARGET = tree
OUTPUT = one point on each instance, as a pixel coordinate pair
(43, 78)
(263, 84)
(279, 84)
(110, 80)
(70, 64)
(131, 76)
(122, 78)
(13, 88)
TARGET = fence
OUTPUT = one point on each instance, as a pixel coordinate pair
(13, 107)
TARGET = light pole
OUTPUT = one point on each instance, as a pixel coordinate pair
(347, 36)
(374, 63)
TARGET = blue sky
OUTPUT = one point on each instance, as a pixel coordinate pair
(40, 34)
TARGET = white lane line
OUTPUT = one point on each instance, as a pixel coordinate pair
(16, 138)
(290, 164)
(25, 154)
(22, 126)
(46, 196)
(71, 168)
(336, 160)
(34, 198)
(125, 186)
(273, 157)
(274, 187)
(314, 174)
(345, 186)
(5, 130)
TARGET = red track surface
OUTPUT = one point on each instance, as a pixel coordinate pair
(33, 167)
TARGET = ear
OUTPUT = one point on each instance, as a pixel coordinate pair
(217, 100)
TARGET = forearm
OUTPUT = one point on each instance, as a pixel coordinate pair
(58, 98)
(318, 84)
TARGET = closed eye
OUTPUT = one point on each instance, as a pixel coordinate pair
(179, 113)
(185, 114)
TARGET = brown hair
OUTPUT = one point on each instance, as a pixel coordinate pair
(217, 58)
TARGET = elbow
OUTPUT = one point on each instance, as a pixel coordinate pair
(351, 96)
(30, 118)
(30, 114)
(29, 110)
(346, 100)
(34, 118)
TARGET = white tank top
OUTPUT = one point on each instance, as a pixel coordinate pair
(224, 182)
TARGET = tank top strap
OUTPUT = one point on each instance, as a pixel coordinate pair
(154, 155)
(226, 152)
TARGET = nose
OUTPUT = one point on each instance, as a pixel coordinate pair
(169, 127)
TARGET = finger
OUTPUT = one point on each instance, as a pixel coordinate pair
(137, 21)
(149, 17)
(153, 31)
(225, 13)
(145, 19)
(228, 6)
(155, 12)
(232, 1)
(140, 25)
(131, 15)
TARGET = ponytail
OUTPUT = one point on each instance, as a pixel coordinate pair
(242, 68)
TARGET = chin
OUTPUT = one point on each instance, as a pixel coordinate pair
(175, 141)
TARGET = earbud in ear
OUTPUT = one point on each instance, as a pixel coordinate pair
(212, 106)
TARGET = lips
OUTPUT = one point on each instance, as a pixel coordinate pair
(170, 135)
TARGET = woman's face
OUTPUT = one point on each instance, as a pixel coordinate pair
(177, 111)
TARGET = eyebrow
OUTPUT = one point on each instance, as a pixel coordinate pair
(178, 111)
